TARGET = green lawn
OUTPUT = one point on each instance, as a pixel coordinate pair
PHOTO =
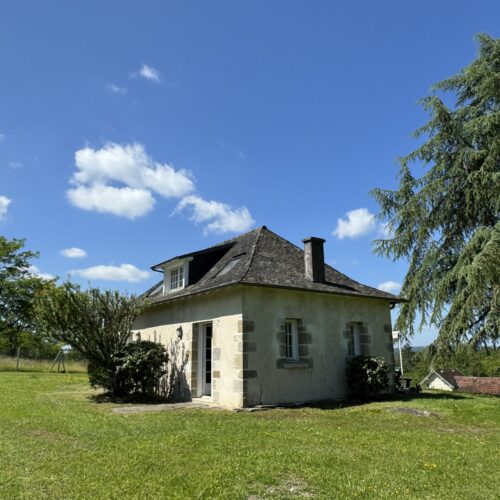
(55, 442)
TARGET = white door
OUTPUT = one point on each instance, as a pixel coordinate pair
(207, 360)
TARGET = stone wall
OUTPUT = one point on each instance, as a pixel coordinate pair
(479, 385)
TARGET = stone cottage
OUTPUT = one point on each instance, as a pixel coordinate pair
(257, 320)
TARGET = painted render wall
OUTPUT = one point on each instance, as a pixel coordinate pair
(224, 309)
(437, 383)
(248, 322)
(323, 343)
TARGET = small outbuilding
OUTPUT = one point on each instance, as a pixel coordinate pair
(442, 379)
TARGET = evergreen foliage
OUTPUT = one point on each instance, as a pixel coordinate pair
(445, 222)
(135, 368)
(139, 367)
(367, 376)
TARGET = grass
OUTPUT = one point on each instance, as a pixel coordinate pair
(57, 442)
(9, 364)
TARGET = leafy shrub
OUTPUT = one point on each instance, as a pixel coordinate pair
(139, 366)
(100, 376)
(367, 376)
(135, 368)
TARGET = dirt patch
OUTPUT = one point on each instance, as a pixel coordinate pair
(291, 487)
(130, 410)
(413, 411)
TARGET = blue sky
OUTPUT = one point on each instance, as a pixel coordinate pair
(136, 131)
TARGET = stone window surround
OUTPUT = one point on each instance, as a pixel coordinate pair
(364, 339)
(304, 341)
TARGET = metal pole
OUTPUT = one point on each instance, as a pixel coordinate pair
(55, 361)
(400, 356)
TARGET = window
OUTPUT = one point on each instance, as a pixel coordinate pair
(291, 340)
(230, 264)
(176, 274)
(177, 278)
(355, 345)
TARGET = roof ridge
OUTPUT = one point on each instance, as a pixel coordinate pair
(260, 230)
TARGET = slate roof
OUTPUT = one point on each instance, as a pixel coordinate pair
(449, 374)
(264, 259)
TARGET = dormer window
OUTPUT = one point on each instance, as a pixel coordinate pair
(177, 278)
(175, 275)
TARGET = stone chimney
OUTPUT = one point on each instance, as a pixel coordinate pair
(314, 259)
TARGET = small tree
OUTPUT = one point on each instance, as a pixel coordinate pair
(18, 288)
(96, 323)
(367, 376)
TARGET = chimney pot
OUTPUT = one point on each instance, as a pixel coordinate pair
(314, 259)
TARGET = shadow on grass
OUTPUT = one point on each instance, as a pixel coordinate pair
(321, 405)
(130, 399)
(390, 398)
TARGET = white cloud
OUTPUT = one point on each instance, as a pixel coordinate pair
(130, 166)
(123, 272)
(359, 222)
(4, 205)
(126, 202)
(15, 165)
(2, 137)
(116, 89)
(123, 180)
(221, 218)
(390, 286)
(150, 73)
(35, 271)
(73, 253)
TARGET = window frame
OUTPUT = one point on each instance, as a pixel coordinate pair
(231, 264)
(182, 270)
(356, 338)
(178, 272)
(292, 340)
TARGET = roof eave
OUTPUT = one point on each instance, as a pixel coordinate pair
(166, 298)
(327, 292)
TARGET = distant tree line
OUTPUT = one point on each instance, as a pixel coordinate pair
(479, 362)
(39, 317)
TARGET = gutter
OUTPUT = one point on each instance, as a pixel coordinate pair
(165, 297)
